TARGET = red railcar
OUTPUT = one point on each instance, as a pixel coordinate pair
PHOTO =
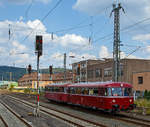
(57, 92)
(109, 96)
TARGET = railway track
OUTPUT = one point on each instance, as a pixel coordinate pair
(68, 118)
(3, 122)
(126, 117)
(123, 118)
(142, 123)
(10, 114)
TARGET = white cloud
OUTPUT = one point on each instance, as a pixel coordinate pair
(148, 49)
(104, 53)
(71, 40)
(123, 55)
(141, 37)
(2, 50)
(19, 46)
(91, 7)
(37, 25)
(57, 56)
(132, 8)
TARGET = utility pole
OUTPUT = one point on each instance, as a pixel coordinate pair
(116, 44)
(65, 67)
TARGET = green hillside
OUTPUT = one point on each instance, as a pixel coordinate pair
(11, 73)
(8, 73)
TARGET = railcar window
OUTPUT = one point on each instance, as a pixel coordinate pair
(95, 91)
(78, 90)
(86, 91)
(61, 89)
(72, 90)
(91, 91)
(102, 91)
(107, 92)
(117, 91)
(128, 92)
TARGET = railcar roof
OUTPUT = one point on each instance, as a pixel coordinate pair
(101, 84)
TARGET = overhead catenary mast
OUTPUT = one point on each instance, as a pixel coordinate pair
(116, 44)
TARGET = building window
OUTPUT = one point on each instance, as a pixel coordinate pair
(121, 70)
(107, 72)
(140, 80)
(83, 65)
(98, 73)
(90, 74)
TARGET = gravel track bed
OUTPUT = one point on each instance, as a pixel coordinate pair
(2, 124)
(84, 114)
(9, 118)
(43, 121)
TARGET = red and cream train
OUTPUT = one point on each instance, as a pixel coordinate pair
(110, 96)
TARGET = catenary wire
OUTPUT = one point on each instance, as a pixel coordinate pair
(50, 11)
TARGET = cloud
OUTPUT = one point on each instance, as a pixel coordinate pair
(147, 49)
(132, 7)
(19, 46)
(57, 56)
(141, 37)
(2, 50)
(123, 56)
(37, 25)
(104, 53)
(91, 7)
(71, 40)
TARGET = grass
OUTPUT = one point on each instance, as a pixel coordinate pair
(143, 103)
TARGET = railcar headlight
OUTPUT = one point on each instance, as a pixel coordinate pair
(130, 100)
(113, 100)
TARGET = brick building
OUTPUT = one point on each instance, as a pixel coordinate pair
(102, 70)
(141, 81)
(30, 80)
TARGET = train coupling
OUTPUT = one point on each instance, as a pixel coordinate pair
(115, 107)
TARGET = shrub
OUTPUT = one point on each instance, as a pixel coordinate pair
(27, 91)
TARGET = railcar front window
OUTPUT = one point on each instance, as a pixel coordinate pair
(116, 91)
(107, 91)
(128, 92)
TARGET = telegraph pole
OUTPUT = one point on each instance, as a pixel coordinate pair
(65, 67)
(116, 44)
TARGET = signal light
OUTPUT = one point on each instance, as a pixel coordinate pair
(38, 45)
(29, 69)
(78, 69)
(50, 70)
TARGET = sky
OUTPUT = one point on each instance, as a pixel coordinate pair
(80, 28)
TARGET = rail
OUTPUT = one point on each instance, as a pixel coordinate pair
(71, 119)
(15, 114)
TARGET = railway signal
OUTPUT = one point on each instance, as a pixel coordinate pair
(29, 69)
(78, 69)
(38, 51)
(50, 70)
(39, 44)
